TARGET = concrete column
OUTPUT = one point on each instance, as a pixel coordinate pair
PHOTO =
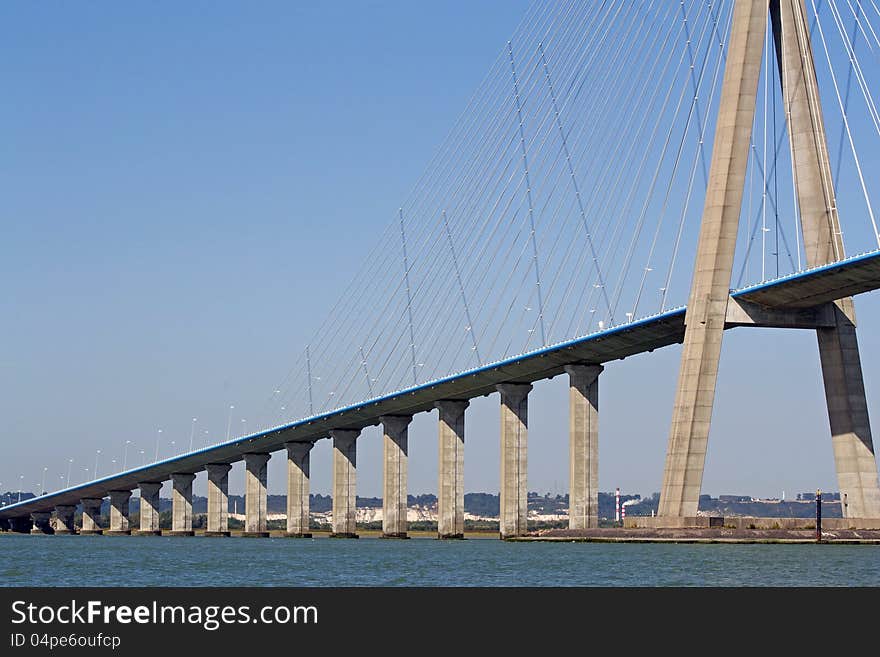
(64, 519)
(20, 525)
(119, 512)
(344, 483)
(394, 485)
(450, 487)
(583, 445)
(851, 437)
(218, 499)
(514, 442)
(707, 306)
(298, 489)
(255, 497)
(181, 504)
(149, 509)
(91, 517)
(41, 522)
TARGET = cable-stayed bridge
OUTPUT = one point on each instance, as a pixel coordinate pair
(552, 233)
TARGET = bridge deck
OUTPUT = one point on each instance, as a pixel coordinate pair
(813, 287)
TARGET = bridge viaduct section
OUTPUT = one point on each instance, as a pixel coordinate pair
(820, 300)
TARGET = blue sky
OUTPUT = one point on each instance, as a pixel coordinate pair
(188, 188)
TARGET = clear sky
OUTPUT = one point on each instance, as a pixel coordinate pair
(189, 186)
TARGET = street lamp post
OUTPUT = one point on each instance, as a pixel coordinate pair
(158, 435)
(192, 433)
(229, 422)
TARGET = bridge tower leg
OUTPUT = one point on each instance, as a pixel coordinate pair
(450, 487)
(823, 243)
(583, 431)
(298, 489)
(394, 485)
(255, 496)
(218, 499)
(344, 483)
(514, 442)
(707, 306)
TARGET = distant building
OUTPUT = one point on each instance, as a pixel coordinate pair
(811, 497)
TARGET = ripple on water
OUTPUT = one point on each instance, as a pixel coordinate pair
(167, 561)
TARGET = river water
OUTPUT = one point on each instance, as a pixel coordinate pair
(197, 561)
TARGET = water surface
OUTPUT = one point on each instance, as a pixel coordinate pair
(197, 561)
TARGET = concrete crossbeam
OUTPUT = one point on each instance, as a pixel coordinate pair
(394, 481)
(344, 482)
(181, 504)
(298, 489)
(514, 442)
(119, 512)
(450, 503)
(218, 499)
(745, 313)
(583, 432)
(255, 498)
(149, 509)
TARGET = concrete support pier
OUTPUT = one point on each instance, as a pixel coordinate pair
(149, 509)
(583, 435)
(218, 499)
(119, 512)
(298, 489)
(710, 287)
(91, 516)
(514, 442)
(394, 474)
(181, 504)
(41, 522)
(255, 498)
(20, 524)
(344, 483)
(450, 503)
(64, 519)
(851, 437)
